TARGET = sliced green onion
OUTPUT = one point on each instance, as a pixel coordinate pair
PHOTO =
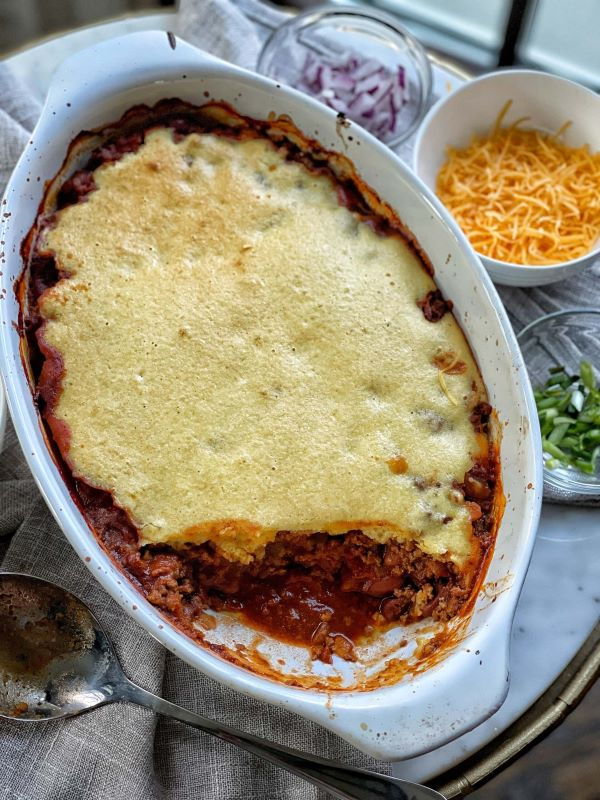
(577, 399)
(569, 411)
(548, 402)
(554, 450)
(558, 433)
(563, 404)
(570, 442)
(587, 375)
(558, 420)
(590, 416)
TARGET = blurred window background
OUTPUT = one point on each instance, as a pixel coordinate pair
(553, 35)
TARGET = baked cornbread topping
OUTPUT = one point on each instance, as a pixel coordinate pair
(254, 384)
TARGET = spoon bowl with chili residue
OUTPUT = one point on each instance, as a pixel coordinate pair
(56, 661)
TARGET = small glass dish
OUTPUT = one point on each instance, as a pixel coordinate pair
(325, 52)
(564, 338)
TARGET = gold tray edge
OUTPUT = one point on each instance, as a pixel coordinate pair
(538, 721)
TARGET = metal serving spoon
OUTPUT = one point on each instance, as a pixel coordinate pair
(56, 661)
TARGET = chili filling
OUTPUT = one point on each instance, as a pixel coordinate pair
(318, 590)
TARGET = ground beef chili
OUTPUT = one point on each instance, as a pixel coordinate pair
(319, 590)
(319, 587)
(434, 306)
(72, 191)
(478, 489)
(480, 417)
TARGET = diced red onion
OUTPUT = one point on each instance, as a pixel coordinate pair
(368, 84)
(398, 96)
(341, 81)
(361, 104)
(382, 90)
(402, 79)
(337, 105)
(311, 71)
(345, 96)
(361, 88)
(368, 67)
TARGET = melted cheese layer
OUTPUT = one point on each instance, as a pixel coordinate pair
(242, 356)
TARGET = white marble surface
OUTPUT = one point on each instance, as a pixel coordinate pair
(559, 606)
(560, 602)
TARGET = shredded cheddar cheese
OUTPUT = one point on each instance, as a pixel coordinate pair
(444, 385)
(523, 196)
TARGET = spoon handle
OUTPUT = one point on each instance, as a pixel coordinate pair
(345, 783)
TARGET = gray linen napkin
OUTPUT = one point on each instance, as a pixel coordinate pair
(121, 752)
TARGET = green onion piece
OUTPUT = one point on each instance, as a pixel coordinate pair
(558, 433)
(592, 417)
(587, 375)
(563, 404)
(585, 466)
(570, 442)
(592, 436)
(577, 399)
(553, 450)
(548, 402)
(559, 420)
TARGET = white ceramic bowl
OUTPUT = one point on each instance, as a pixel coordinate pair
(549, 101)
(440, 702)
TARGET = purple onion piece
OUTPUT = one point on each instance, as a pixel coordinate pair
(361, 88)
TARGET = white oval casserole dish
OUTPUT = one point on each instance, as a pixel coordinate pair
(437, 702)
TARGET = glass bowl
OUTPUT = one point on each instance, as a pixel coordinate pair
(330, 36)
(547, 101)
(564, 338)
